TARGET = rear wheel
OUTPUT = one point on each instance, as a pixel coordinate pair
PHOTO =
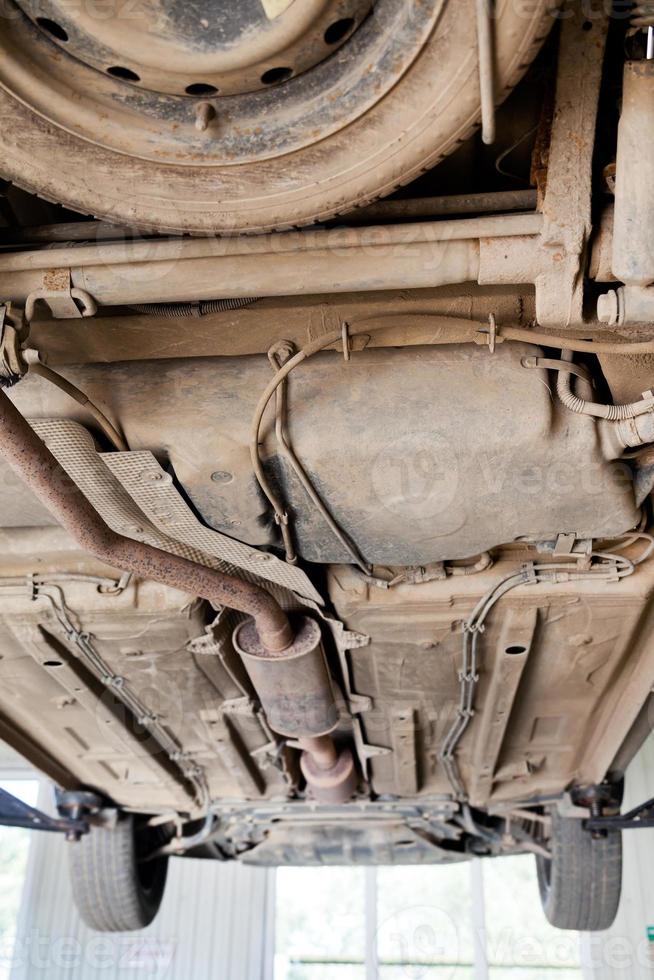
(114, 890)
(580, 884)
(244, 117)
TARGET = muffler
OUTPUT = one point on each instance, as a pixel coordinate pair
(297, 695)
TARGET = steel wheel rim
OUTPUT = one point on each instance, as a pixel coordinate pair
(116, 114)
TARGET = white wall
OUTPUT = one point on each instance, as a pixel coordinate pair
(212, 924)
(624, 952)
(12, 765)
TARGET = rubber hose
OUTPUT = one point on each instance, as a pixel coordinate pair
(613, 413)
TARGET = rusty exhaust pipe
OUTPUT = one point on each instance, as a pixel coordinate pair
(33, 462)
(36, 466)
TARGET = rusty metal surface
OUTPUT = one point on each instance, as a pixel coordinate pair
(294, 686)
(201, 49)
(632, 253)
(426, 440)
(330, 780)
(322, 749)
(137, 497)
(589, 652)
(568, 195)
(633, 220)
(287, 709)
(297, 695)
(108, 481)
(36, 465)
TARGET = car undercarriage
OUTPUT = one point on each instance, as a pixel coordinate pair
(326, 433)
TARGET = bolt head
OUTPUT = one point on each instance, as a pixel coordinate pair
(222, 476)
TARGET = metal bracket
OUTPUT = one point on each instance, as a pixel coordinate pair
(15, 813)
(358, 703)
(366, 751)
(564, 545)
(65, 301)
(13, 332)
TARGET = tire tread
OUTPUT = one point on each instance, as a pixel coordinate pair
(104, 878)
(580, 886)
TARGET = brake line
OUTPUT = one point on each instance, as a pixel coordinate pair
(343, 335)
(107, 427)
(613, 565)
(275, 356)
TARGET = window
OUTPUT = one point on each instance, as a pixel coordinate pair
(520, 942)
(427, 922)
(320, 924)
(14, 848)
(424, 922)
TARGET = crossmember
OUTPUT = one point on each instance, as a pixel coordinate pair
(640, 817)
(16, 813)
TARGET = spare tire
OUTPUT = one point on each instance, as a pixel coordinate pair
(85, 122)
